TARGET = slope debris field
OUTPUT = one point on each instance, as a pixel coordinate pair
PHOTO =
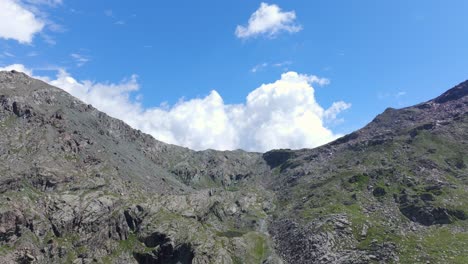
(77, 186)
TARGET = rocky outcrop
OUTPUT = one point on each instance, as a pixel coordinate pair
(326, 240)
(163, 250)
(11, 223)
(77, 186)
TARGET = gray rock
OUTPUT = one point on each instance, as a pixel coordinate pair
(79, 186)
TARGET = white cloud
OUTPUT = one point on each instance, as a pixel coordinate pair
(45, 2)
(258, 67)
(268, 20)
(48, 39)
(17, 67)
(17, 22)
(317, 80)
(110, 13)
(281, 114)
(281, 64)
(8, 54)
(21, 20)
(335, 109)
(263, 66)
(386, 95)
(79, 59)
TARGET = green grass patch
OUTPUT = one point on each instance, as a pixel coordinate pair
(258, 248)
(5, 249)
(9, 121)
(437, 245)
(230, 233)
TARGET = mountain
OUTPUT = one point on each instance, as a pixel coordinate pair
(77, 186)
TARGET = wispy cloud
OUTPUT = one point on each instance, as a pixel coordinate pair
(48, 39)
(268, 20)
(109, 12)
(263, 66)
(399, 94)
(258, 67)
(282, 64)
(318, 80)
(8, 54)
(32, 54)
(55, 27)
(80, 59)
(52, 3)
(384, 95)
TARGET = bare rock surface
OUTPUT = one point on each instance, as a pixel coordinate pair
(77, 186)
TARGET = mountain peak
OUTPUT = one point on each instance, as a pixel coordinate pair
(9, 77)
(13, 74)
(455, 93)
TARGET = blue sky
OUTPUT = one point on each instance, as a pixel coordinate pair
(375, 54)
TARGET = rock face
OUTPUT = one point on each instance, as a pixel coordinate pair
(77, 186)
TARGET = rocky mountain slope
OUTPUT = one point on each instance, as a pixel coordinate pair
(77, 186)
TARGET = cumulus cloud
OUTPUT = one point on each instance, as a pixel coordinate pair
(281, 114)
(268, 20)
(17, 67)
(17, 22)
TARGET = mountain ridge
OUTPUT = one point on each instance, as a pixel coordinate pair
(79, 186)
